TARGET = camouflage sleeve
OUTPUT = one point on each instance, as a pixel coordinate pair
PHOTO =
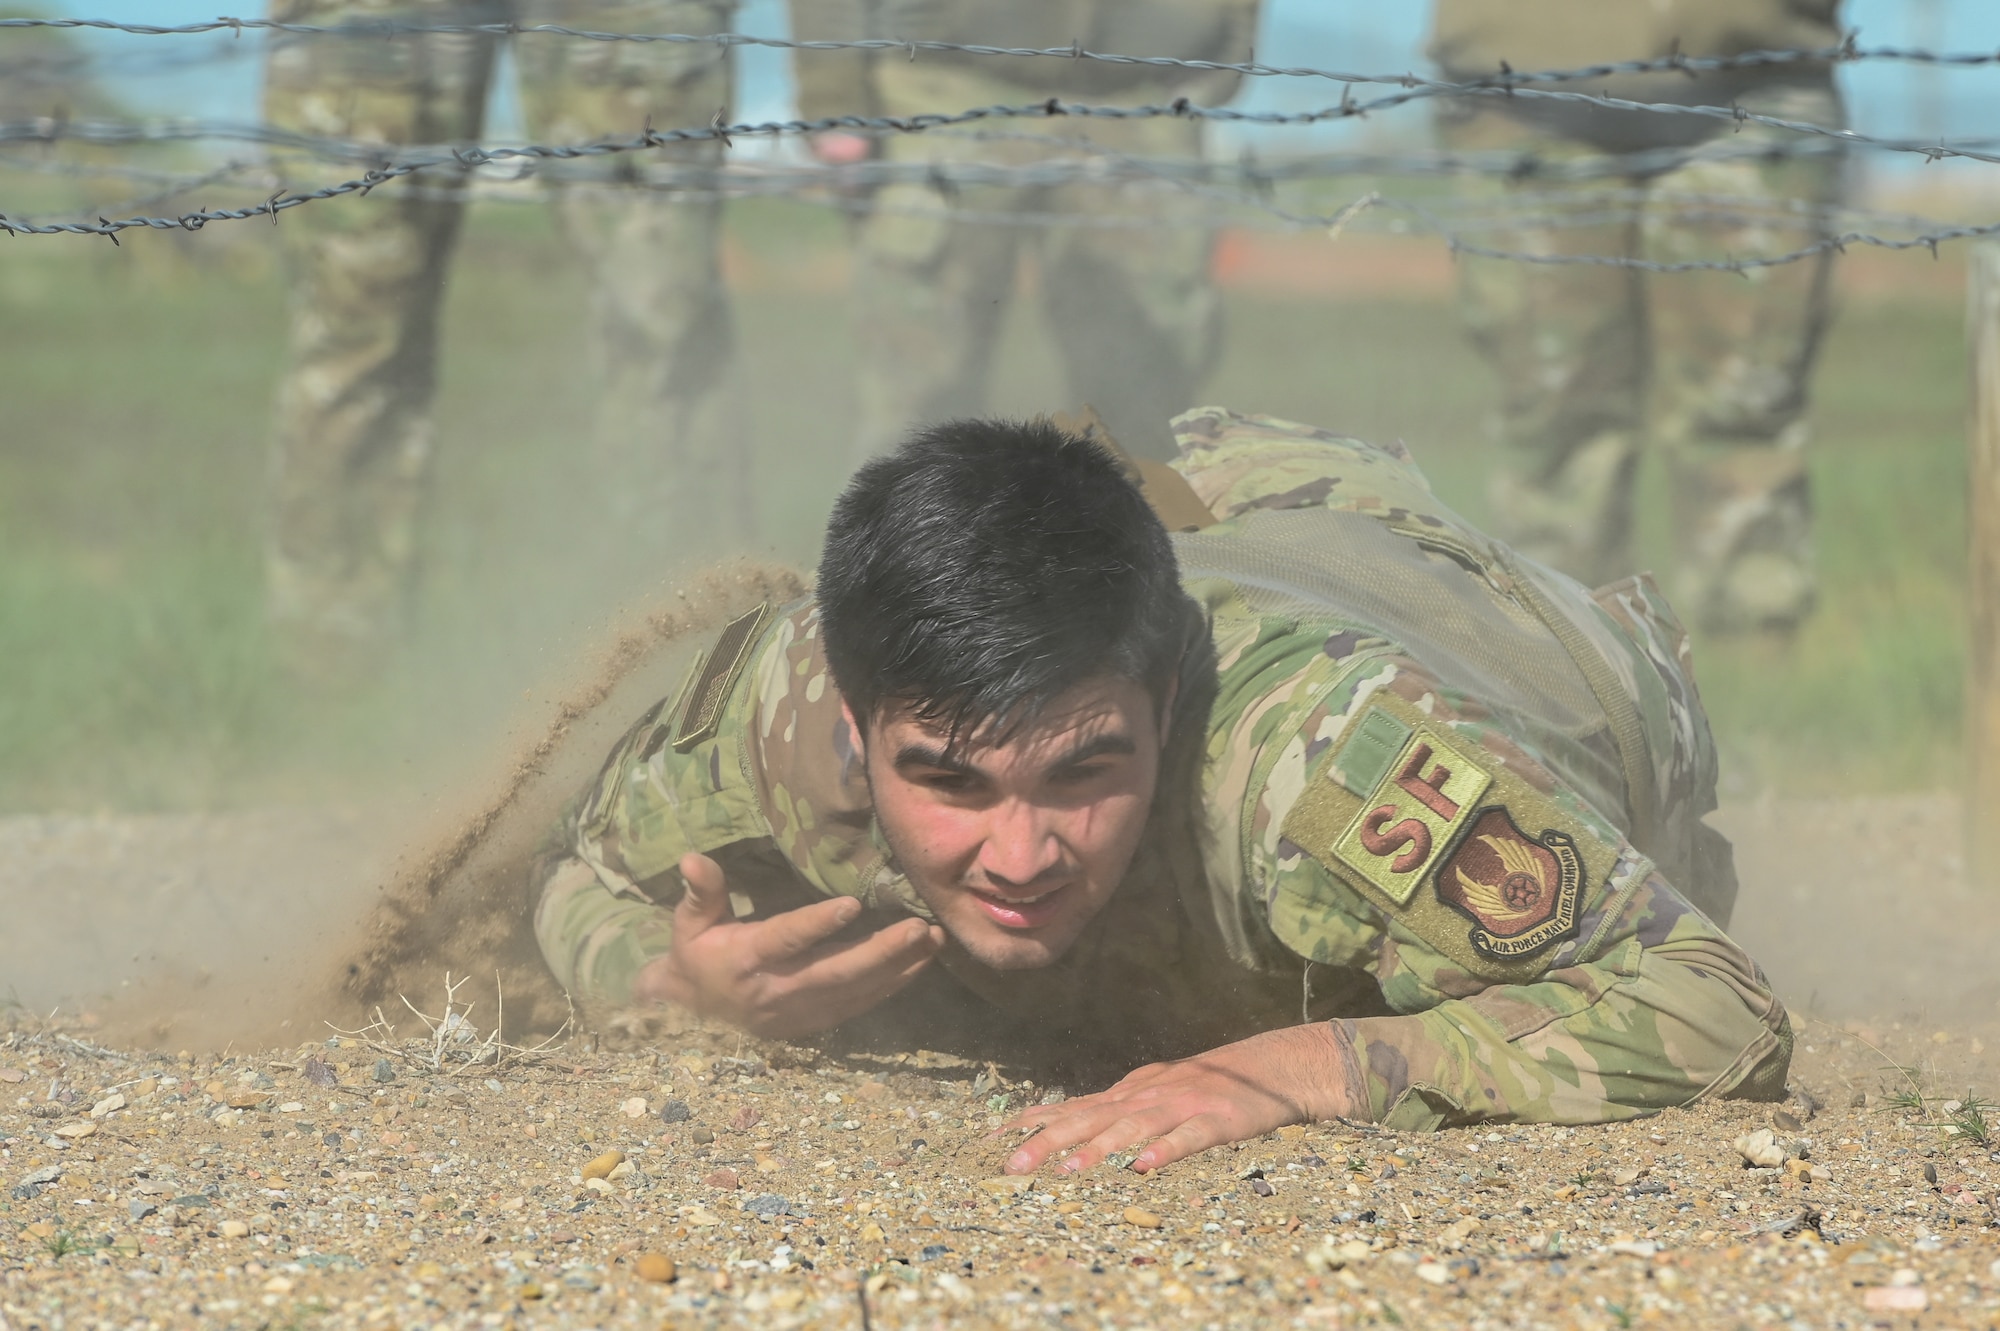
(611, 877)
(1536, 966)
(769, 785)
(596, 939)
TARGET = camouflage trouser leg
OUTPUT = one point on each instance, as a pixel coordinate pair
(1734, 355)
(1130, 307)
(669, 455)
(1581, 350)
(352, 445)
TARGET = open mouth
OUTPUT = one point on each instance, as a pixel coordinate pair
(1022, 912)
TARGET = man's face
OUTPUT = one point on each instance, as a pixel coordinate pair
(1016, 847)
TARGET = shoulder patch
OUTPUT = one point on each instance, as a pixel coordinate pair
(1457, 847)
(698, 710)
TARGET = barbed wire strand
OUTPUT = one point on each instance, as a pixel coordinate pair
(1847, 52)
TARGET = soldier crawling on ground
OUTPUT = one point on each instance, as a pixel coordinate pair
(1327, 802)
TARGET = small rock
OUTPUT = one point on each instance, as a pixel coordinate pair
(624, 1169)
(724, 1178)
(384, 1070)
(76, 1132)
(871, 1233)
(1930, 1171)
(1625, 1178)
(233, 1229)
(675, 1111)
(1760, 1149)
(1141, 1218)
(745, 1119)
(871, 1090)
(702, 1137)
(12, 1075)
(702, 1218)
(598, 1185)
(932, 1251)
(655, 1269)
(290, 1107)
(110, 1104)
(1433, 1273)
(320, 1073)
(602, 1166)
(141, 1208)
(1262, 1187)
(278, 1285)
(1337, 1256)
(46, 1174)
(633, 1108)
(768, 1204)
(245, 1099)
(1895, 1299)
(1006, 1185)
(1785, 1122)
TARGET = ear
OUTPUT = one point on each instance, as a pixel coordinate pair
(855, 734)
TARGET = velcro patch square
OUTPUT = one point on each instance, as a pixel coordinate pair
(1422, 798)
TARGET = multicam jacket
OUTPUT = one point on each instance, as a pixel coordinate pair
(1445, 799)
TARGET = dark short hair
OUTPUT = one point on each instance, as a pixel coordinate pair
(986, 566)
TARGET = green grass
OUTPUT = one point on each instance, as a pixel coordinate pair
(136, 383)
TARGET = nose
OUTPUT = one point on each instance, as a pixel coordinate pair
(1021, 846)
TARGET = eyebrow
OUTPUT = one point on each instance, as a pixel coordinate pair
(945, 760)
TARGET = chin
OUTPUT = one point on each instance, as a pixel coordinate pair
(1012, 952)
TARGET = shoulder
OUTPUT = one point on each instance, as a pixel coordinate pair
(1413, 802)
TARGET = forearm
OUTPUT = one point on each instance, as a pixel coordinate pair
(1640, 1030)
(595, 940)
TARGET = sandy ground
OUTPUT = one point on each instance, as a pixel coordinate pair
(338, 1184)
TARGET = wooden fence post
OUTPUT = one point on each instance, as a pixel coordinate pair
(1982, 680)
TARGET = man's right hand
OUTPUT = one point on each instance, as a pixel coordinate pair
(780, 977)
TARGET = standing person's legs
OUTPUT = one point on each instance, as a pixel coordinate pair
(352, 445)
(1132, 307)
(670, 454)
(1734, 357)
(929, 291)
(1569, 343)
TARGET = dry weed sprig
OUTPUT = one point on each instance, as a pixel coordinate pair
(451, 1044)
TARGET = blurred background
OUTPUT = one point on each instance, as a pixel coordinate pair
(143, 675)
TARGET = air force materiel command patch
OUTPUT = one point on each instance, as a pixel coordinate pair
(1520, 892)
(1458, 847)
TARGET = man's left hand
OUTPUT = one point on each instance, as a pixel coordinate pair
(1229, 1094)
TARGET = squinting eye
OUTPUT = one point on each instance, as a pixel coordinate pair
(1077, 776)
(949, 782)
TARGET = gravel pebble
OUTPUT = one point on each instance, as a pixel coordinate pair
(425, 1205)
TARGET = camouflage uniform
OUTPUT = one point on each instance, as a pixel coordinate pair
(353, 444)
(1724, 358)
(1130, 310)
(1442, 798)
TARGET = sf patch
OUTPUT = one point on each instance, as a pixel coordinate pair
(1446, 839)
(1420, 799)
(1519, 891)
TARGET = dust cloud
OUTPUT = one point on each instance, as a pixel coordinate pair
(242, 929)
